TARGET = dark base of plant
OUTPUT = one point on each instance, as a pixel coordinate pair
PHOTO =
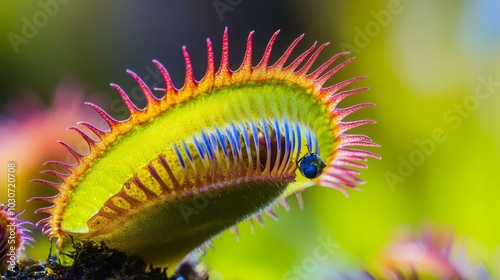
(94, 261)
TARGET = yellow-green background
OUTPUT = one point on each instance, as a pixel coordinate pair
(421, 63)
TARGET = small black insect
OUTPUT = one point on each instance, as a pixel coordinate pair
(311, 165)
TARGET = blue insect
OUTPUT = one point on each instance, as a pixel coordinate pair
(311, 165)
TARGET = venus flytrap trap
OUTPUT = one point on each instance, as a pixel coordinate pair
(234, 139)
(13, 238)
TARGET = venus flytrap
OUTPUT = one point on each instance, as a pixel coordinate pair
(13, 238)
(233, 138)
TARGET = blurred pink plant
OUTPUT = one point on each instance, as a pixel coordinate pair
(433, 253)
(30, 130)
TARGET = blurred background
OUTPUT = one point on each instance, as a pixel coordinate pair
(433, 70)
